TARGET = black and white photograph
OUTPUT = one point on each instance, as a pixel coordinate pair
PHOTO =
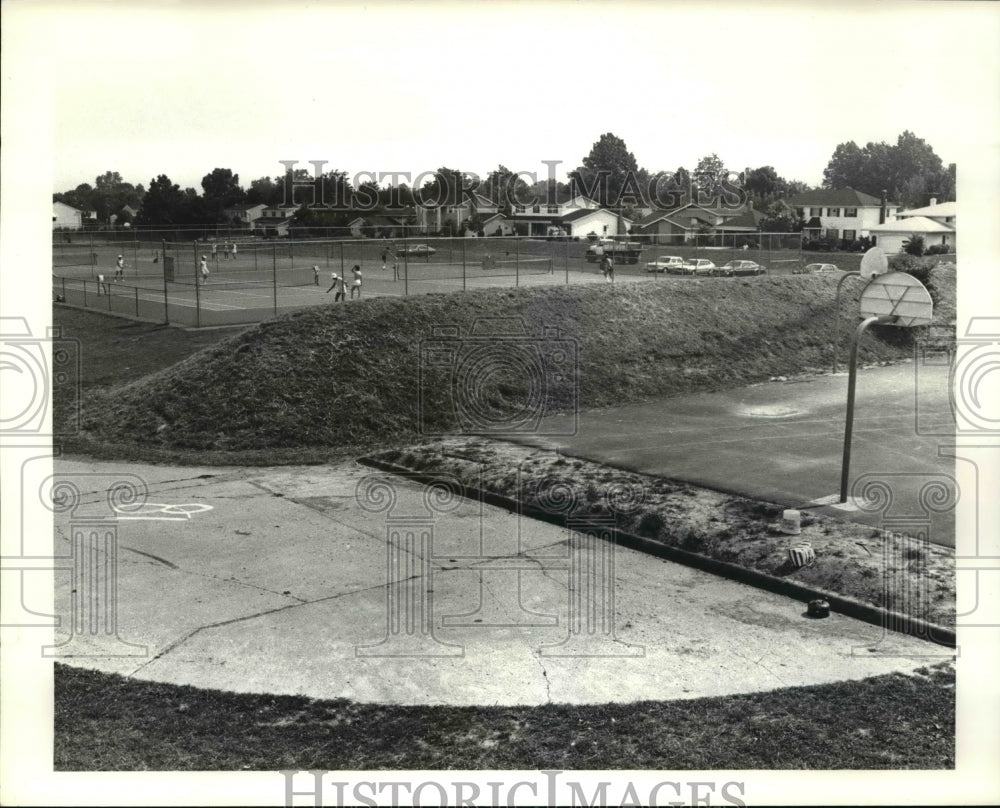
(465, 403)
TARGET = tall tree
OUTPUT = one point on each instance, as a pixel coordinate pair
(909, 171)
(222, 186)
(606, 171)
(506, 189)
(709, 176)
(163, 204)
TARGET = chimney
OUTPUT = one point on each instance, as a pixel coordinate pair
(881, 213)
(933, 201)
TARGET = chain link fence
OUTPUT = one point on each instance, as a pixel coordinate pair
(252, 279)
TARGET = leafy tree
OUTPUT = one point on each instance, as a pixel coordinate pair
(508, 189)
(165, 204)
(780, 218)
(446, 186)
(914, 245)
(709, 176)
(265, 191)
(763, 186)
(223, 186)
(606, 170)
(908, 171)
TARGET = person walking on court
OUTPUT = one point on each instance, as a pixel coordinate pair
(336, 280)
(120, 269)
(215, 251)
(608, 268)
(102, 287)
(232, 247)
(203, 268)
(385, 258)
(356, 283)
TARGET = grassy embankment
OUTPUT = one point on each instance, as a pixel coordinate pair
(320, 383)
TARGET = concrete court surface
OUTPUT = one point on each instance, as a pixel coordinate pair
(276, 580)
(783, 441)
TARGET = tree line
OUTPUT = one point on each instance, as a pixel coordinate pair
(909, 172)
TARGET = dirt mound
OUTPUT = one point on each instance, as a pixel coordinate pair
(383, 370)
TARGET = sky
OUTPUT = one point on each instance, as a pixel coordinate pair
(182, 88)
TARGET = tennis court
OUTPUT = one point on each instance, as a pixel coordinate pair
(265, 278)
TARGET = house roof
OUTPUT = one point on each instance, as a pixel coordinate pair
(66, 206)
(913, 224)
(246, 207)
(837, 197)
(748, 220)
(941, 210)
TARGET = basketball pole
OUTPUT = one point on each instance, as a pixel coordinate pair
(845, 467)
(836, 315)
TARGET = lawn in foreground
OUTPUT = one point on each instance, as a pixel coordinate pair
(109, 723)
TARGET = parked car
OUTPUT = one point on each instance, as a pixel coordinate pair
(731, 268)
(701, 266)
(416, 249)
(667, 263)
(816, 269)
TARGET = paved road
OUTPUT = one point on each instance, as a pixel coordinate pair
(783, 441)
(279, 581)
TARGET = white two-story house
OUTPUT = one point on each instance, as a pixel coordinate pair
(841, 214)
(273, 221)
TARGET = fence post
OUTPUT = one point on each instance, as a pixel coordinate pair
(341, 259)
(463, 265)
(197, 290)
(517, 263)
(85, 294)
(136, 289)
(163, 257)
(566, 259)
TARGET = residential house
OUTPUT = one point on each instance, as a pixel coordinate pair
(244, 215)
(570, 215)
(893, 235)
(273, 221)
(683, 223)
(452, 213)
(378, 225)
(66, 217)
(944, 213)
(841, 214)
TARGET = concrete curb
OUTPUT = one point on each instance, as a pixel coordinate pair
(851, 607)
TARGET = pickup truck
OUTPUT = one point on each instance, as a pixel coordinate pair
(621, 252)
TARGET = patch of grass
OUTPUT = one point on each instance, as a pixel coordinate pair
(105, 722)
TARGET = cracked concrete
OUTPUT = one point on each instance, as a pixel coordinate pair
(287, 585)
